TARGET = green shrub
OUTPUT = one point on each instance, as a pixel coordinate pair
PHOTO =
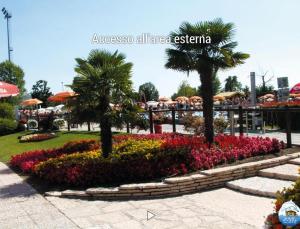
(7, 126)
(193, 124)
(220, 124)
(6, 111)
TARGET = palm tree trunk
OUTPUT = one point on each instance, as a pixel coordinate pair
(207, 94)
(105, 126)
(106, 135)
(89, 126)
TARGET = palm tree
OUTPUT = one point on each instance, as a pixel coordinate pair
(100, 75)
(206, 58)
(232, 84)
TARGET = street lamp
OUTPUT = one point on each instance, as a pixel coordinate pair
(7, 16)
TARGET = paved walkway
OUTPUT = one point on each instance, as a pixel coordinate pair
(22, 207)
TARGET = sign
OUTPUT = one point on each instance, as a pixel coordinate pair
(283, 82)
(283, 94)
(289, 214)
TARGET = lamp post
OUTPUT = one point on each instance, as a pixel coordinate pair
(7, 16)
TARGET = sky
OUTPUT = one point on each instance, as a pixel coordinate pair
(47, 36)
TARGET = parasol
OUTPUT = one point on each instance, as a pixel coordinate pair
(182, 99)
(163, 99)
(7, 90)
(62, 96)
(295, 89)
(30, 102)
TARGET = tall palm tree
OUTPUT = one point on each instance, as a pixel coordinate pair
(100, 75)
(206, 58)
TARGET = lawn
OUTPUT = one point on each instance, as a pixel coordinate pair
(10, 145)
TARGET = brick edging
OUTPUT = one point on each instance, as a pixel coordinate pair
(174, 186)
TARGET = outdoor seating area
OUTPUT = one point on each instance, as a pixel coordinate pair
(166, 114)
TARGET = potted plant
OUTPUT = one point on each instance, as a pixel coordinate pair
(158, 120)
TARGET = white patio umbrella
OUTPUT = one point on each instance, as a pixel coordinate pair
(152, 103)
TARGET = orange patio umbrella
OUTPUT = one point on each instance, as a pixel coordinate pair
(182, 98)
(195, 98)
(30, 102)
(62, 96)
(219, 97)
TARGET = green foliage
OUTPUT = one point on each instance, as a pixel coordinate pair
(100, 76)
(185, 89)
(262, 90)
(7, 126)
(287, 194)
(129, 114)
(193, 123)
(148, 92)
(220, 124)
(246, 90)
(6, 111)
(42, 92)
(11, 73)
(10, 144)
(206, 58)
(232, 84)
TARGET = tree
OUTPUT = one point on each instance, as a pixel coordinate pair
(41, 91)
(11, 73)
(148, 92)
(100, 75)
(216, 86)
(83, 107)
(184, 89)
(232, 84)
(246, 91)
(205, 57)
(264, 88)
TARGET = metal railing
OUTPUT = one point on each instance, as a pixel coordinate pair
(240, 110)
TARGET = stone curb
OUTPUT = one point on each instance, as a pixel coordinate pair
(203, 180)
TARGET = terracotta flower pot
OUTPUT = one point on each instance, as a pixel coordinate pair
(158, 128)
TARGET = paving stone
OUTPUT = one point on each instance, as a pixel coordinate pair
(110, 218)
(295, 161)
(284, 172)
(101, 190)
(187, 179)
(74, 193)
(131, 224)
(259, 185)
(24, 207)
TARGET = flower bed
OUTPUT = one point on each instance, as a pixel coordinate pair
(37, 137)
(27, 160)
(287, 194)
(143, 157)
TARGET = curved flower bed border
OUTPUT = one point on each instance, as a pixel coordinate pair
(175, 186)
(37, 137)
(27, 160)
